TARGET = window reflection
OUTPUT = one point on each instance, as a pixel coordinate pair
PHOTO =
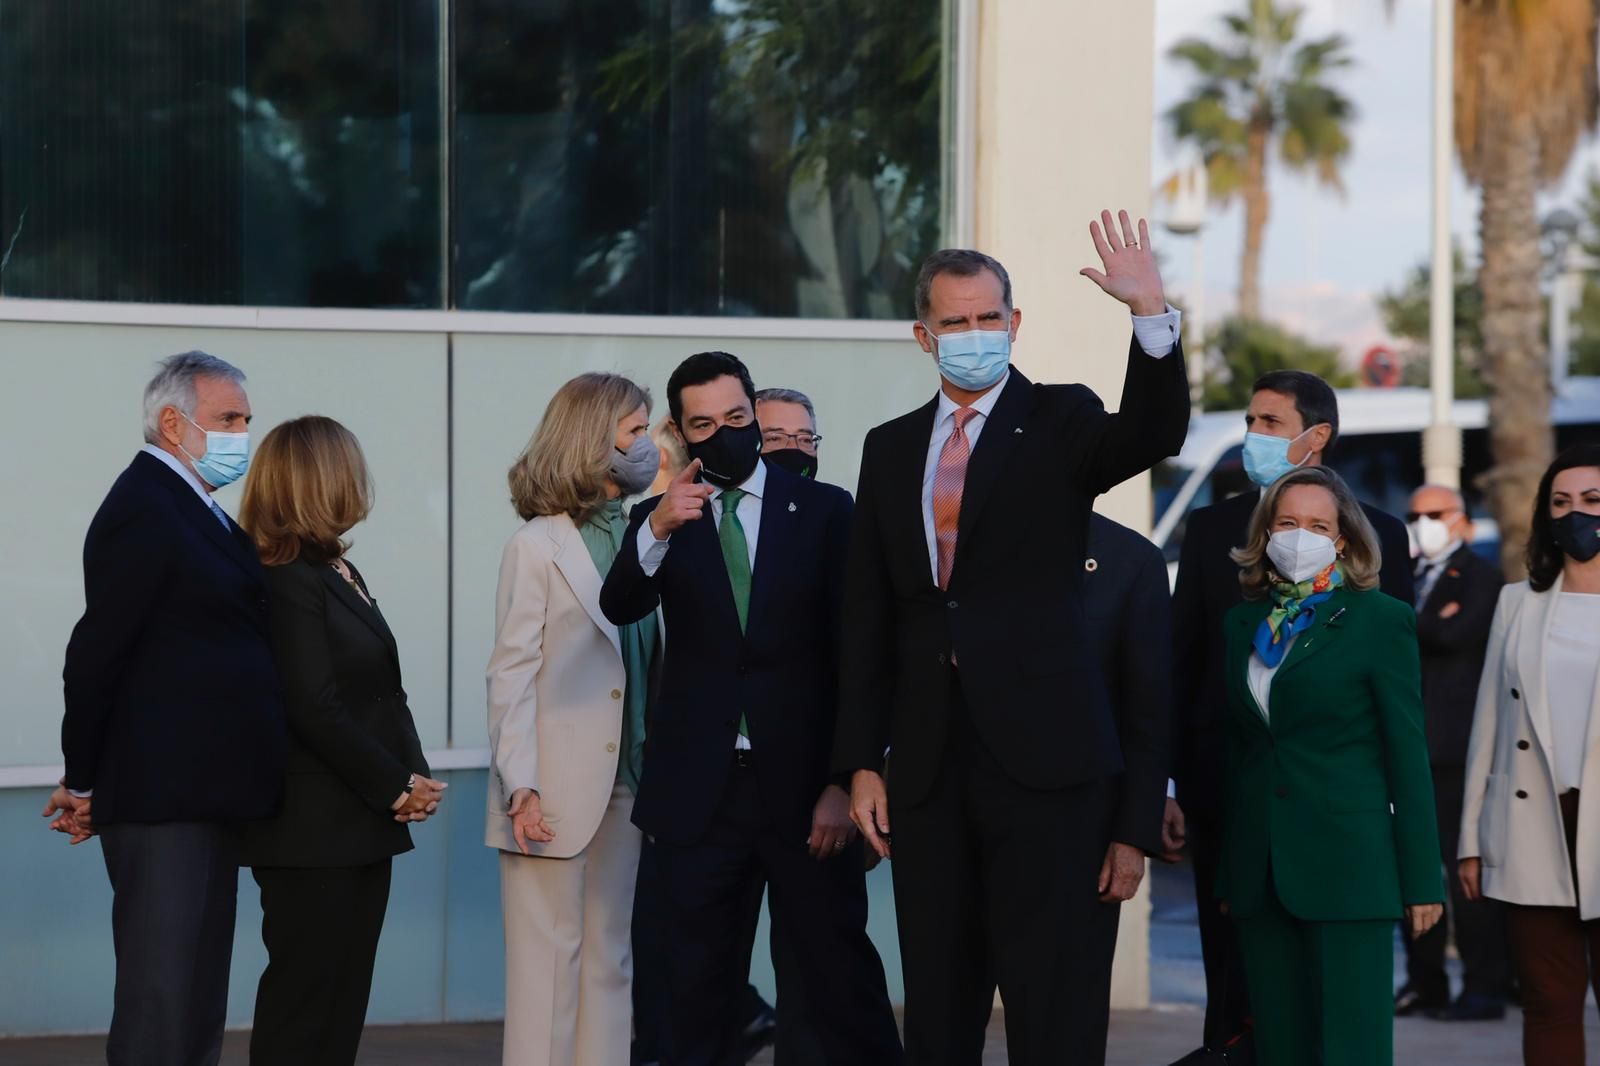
(194, 151)
(708, 157)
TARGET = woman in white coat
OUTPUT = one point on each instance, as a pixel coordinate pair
(567, 708)
(1533, 767)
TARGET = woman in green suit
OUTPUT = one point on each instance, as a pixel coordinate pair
(1329, 832)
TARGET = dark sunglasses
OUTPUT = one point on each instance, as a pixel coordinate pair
(1437, 516)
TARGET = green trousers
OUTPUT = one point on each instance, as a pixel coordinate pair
(1322, 991)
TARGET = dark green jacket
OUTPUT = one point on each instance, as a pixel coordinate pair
(1309, 797)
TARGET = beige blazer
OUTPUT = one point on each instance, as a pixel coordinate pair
(1512, 819)
(556, 681)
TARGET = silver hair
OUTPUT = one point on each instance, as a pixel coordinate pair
(788, 396)
(174, 386)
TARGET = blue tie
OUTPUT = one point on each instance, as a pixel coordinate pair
(222, 516)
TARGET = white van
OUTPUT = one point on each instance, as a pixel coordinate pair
(1379, 452)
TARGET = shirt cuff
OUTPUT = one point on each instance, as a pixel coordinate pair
(1158, 334)
(1172, 789)
(87, 794)
(651, 550)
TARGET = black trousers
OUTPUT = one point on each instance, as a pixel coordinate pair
(705, 891)
(174, 889)
(798, 1042)
(649, 958)
(321, 930)
(1480, 925)
(997, 884)
(1227, 995)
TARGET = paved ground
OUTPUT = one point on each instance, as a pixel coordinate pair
(1138, 1038)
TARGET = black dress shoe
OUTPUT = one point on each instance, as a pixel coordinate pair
(1240, 1051)
(1409, 1001)
(1201, 1056)
(1471, 1007)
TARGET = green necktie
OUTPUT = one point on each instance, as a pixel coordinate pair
(736, 557)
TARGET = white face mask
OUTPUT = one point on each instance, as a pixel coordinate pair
(1430, 536)
(1299, 554)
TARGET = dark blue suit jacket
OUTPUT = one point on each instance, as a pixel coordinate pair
(781, 673)
(173, 707)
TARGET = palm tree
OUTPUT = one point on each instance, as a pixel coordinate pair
(1258, 88)
(1525, 88)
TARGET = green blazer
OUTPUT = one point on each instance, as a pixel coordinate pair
(1308, 797)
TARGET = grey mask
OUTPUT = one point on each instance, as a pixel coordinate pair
(635, 469)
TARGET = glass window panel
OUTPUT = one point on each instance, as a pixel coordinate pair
(705, 157)
(201, 151)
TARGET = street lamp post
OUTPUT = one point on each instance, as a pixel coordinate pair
(1441, 442)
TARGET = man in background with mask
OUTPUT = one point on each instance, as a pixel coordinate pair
(966, 649)
(747, 567)
(1292, 421)
(1456, 591)
(788, 430)
(174, 725)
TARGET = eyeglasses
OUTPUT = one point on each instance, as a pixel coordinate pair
(774, 438)
(1437, 516)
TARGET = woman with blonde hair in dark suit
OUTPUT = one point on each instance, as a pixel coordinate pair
(567, 706)
(357, 774)
(1328, 832)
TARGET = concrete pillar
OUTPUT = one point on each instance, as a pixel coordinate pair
(1063, 112)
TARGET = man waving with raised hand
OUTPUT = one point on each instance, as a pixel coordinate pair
(965, 651)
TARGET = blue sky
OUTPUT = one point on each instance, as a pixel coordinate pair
(1326, 259)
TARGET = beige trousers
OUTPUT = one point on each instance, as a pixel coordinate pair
(569, 958)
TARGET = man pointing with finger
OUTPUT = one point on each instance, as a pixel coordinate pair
(747, 567)
(966, 651)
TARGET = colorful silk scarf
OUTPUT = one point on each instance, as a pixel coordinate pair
(1294, 609)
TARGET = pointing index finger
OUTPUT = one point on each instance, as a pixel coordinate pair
(689, 473)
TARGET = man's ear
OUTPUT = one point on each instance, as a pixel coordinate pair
(924, 338)
(171, 423)
(672, 424)
(1016, 323)
(1321, 434)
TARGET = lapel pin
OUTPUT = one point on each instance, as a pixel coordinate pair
(1335, 617)
(793, 508)
(1018, 430)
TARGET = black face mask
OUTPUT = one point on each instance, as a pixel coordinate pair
(729, 455)
(793, 460)
(1578, 534)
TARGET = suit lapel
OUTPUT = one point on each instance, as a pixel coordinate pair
(367, 612)
(1247, 623)
(231, 541)
(582, 576)
(772, 548)
(902, 485)
(1533, 632)
(1001, 432)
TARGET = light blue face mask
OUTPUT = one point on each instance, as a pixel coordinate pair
(973, 359)
(226, 459)
(1266, 459)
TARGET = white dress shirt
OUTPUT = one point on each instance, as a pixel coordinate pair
(1260, 677)
(652, 551)
(1571, 655)
(1157, 334)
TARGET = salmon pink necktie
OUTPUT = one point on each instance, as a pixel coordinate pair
(948, 478)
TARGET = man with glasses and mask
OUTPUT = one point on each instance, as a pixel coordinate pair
(789, 435)
(174, 726)
(746, 561)
(1292, 421)
(1457, 590)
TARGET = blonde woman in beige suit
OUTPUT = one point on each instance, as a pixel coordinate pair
(567, 702)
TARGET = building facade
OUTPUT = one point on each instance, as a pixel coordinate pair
(421, 218)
